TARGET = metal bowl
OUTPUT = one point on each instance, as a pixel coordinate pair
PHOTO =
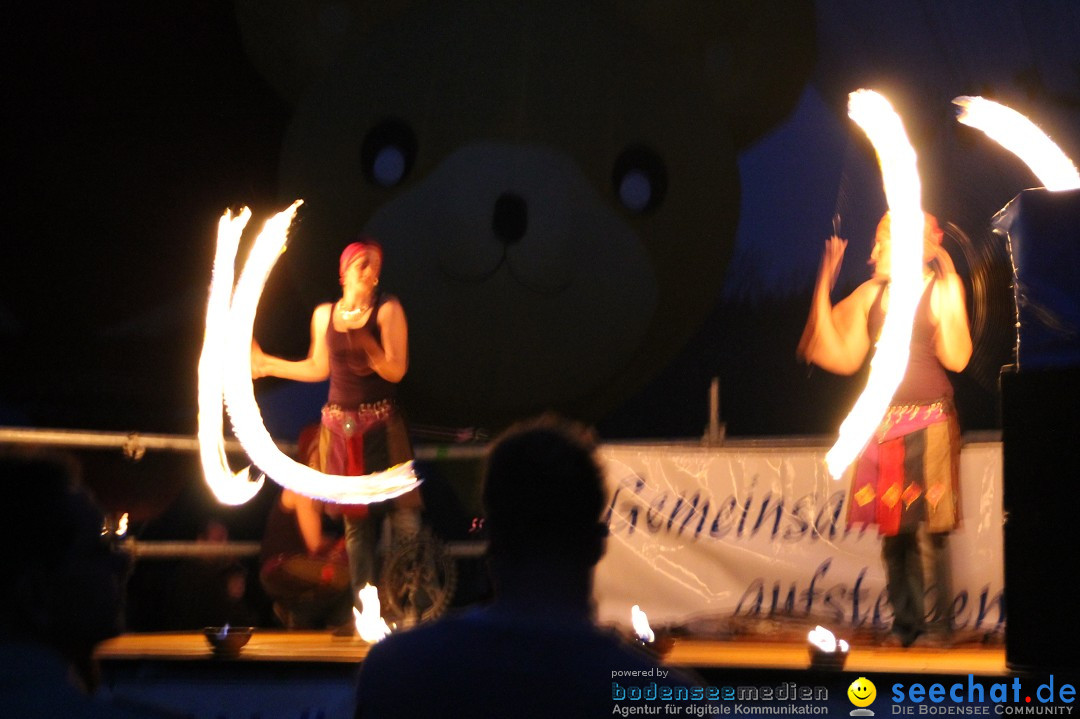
(227, 641)
(658, 647)
(827, 661)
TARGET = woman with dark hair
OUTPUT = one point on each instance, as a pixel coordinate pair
(906, 480)
(360, 342)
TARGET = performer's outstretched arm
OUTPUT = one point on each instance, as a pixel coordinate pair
(313, 368)
(835, 338)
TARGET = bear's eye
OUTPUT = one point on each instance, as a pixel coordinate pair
(639, 179)
(387, 153)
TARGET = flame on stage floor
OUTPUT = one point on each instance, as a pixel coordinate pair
(369, 622)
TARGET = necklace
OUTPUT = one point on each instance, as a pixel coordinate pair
(350, 315)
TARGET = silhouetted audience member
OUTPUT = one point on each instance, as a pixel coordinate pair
(62, 592)
(535, 651)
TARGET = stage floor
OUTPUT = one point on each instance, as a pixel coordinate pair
(284, 674)
(275, 646)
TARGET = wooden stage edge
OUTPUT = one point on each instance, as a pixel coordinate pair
(275, 645)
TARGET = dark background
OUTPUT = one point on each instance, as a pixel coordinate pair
(131, 126)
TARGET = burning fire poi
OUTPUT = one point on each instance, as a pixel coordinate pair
(903, 190)
(229, 487)
(1023, 138)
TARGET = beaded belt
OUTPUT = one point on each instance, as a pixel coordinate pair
(914, 416)
(368, 410)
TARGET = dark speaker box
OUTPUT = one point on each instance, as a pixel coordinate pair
(1041, 455)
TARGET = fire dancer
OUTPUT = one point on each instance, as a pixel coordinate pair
(906, 478)
(534, 651)
(359, 342)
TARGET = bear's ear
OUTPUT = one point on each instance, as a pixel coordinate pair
(291, 42)
(759, 54)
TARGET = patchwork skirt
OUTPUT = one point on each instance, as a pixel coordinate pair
(371, 438)
(909, 471)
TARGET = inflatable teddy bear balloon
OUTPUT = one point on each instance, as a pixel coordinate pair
(554, 181)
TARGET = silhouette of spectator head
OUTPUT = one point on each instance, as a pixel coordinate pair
(543, 495)
(63, 578)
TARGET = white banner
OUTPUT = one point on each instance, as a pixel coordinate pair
(758, 530)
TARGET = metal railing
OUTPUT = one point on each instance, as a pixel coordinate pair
(134, 446)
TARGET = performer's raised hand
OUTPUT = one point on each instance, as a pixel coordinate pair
(831, 259)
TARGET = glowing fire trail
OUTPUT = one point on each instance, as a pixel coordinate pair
(229, 488)
(903, 191)
(1023, 138)
(244, 410)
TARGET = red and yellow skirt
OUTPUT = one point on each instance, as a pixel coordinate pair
(370, 438)
(909, 471)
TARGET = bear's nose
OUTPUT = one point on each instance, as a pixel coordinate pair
(509, 218)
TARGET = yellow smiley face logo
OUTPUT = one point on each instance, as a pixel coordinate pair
(862, 692)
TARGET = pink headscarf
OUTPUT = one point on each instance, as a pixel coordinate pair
(356, 250)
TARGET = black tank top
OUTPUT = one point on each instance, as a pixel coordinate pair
(352, 380)
(925, 379)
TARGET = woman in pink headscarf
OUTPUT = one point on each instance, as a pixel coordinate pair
(906, 480)
(361, 343)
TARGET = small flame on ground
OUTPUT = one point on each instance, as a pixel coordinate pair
(369, 623)
(122, 525)
(826, 641)
(641, 625)
(1022, 137)
(903, 191)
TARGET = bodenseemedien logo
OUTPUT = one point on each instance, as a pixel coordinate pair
(653, 697)
(862, 693)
